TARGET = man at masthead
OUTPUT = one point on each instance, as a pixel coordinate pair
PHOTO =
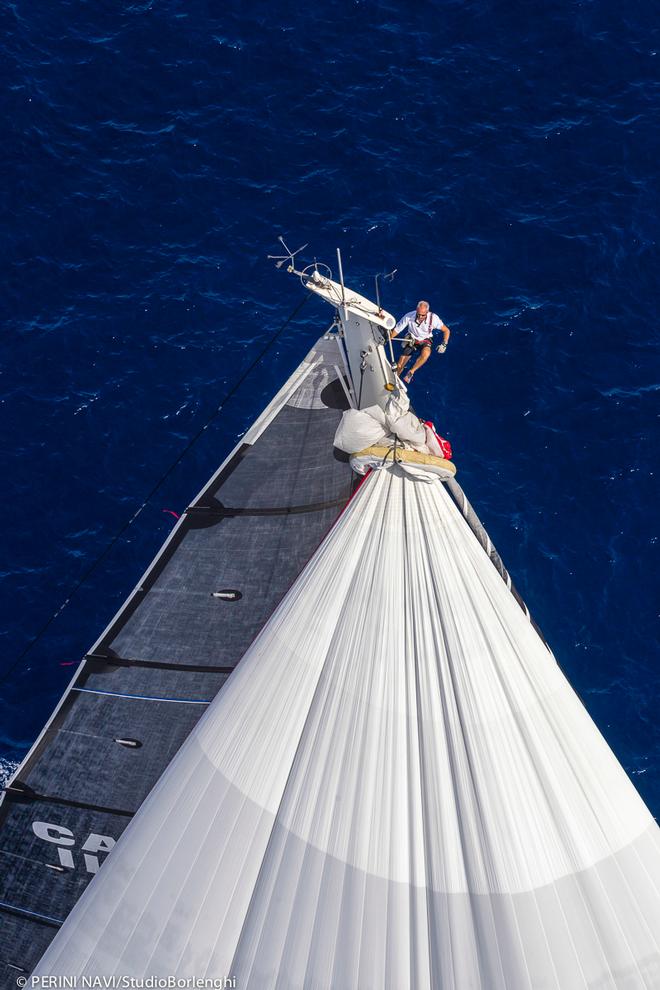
(419, 325)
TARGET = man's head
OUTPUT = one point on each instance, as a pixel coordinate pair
(422, 308)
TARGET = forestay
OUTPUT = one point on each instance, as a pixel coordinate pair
(396, 788)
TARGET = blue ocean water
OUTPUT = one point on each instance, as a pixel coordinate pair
(504, 157)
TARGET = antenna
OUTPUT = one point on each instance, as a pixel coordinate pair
(388, 278)
(341, 277)
(281, 259)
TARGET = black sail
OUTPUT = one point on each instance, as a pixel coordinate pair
(143, 686)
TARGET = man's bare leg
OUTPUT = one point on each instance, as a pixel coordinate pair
(422, 359)
(401, 363)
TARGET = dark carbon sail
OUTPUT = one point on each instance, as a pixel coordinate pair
(135, 698)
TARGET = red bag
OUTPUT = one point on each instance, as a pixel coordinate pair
(445, 445)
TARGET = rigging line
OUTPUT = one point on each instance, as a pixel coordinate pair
(115, 539)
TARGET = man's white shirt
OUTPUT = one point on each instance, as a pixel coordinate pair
(418, 331)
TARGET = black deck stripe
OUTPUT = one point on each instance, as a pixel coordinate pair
(28, 796)
(224, 511)
(196, 668)
(30, 916)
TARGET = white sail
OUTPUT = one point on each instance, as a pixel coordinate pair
(397, 788)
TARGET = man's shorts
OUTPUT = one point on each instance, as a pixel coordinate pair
(417, 346)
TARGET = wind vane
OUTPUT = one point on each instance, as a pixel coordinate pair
(281, 259)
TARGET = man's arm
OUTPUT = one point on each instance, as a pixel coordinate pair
(445, 338)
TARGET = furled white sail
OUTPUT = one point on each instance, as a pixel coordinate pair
(397, 788)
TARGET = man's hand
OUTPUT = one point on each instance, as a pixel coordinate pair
(441, 348)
